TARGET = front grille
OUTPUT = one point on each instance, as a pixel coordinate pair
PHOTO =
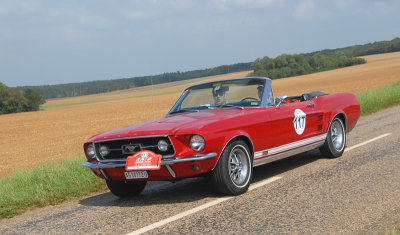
(122, 148)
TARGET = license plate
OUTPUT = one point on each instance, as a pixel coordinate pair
(136, 175)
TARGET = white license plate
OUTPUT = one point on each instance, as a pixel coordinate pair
(136, 175)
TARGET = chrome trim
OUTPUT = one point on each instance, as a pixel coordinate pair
(171, 172)
(129, 138)
(104, 174)
(124, 159)
(188, 159)
(164, 162)
(132, 137)
(287, 154)
(288, 147)
(263, 104)
(102, 165)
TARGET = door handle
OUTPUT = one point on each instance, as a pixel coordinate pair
(310, 105)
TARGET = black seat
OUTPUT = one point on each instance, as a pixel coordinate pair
(312, 95)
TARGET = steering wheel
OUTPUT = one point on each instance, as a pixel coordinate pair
(250, 98)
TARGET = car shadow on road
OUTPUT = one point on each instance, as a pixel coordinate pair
(279, 167)
(194, 189)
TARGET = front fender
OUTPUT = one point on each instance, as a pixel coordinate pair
(230, 137)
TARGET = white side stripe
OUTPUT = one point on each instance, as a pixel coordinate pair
(289, 146)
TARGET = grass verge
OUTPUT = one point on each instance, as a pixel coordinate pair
(53, 183)
(396, 231)
(49, 184)
(381, 98)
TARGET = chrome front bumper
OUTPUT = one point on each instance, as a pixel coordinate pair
(168, 161)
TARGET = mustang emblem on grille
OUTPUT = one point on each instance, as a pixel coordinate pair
(128, 149)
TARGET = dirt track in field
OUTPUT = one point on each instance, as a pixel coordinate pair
(34, 138)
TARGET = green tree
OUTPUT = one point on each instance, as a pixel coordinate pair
(11, 100)
(34, 99)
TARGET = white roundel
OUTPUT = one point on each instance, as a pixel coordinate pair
(299, 121)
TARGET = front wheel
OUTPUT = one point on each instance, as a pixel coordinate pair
(126, 188)
(234, 169)
(335, 140)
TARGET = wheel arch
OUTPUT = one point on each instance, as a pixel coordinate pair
(242, 137)
(328, 149)
(342, 116)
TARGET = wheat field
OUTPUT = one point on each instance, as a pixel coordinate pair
(34, 138)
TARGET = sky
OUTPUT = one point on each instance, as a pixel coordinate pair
(47, 42)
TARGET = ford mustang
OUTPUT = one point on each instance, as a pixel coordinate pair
(222, 129)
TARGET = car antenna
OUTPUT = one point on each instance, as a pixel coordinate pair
(152, 97)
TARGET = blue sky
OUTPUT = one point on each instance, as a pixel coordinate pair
(45, 42)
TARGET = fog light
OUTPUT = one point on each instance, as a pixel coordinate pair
(104, 150)
(162, 145)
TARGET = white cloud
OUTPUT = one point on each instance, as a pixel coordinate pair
(304, 10)
(219, 5)
(259, 3)
(344, 3)
(225, 5)
(142, 15)
(3, 10)
(385, 8)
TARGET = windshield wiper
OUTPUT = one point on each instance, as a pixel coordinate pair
(184, 111)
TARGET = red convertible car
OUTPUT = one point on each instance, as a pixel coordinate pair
(223, 129)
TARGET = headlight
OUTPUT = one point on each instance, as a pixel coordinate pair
(197, 143)
(90, 151)
(104, 150)
(162, 145)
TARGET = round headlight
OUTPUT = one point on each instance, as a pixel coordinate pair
(90, 151)
(162, 145)
(104, 150)
(197, 143)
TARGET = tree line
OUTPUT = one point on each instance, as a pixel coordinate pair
(94, 87)
(366, 49)
(29, 98)
(15, 101)
(294, 65)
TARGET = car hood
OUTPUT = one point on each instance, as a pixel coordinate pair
(193, 121)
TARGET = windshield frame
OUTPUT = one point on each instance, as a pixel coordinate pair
(266, 100)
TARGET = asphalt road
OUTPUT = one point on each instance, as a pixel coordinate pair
(358, 193)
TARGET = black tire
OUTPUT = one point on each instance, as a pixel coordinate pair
(126, 188)
(335, 142)
(234, 170)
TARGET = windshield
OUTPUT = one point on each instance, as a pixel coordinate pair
(221, 94)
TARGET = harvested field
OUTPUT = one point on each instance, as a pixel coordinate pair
(30, 139)
(173, 87)
(379, 71)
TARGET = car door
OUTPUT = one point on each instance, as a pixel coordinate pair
(294, 123)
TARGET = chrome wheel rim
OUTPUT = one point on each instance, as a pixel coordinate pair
(239, 165)
(337, 135)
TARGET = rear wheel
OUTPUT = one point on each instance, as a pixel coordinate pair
(126, 188)
(233, 172)
(335, 140)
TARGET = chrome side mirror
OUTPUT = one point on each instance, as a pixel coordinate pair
(280, 99)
